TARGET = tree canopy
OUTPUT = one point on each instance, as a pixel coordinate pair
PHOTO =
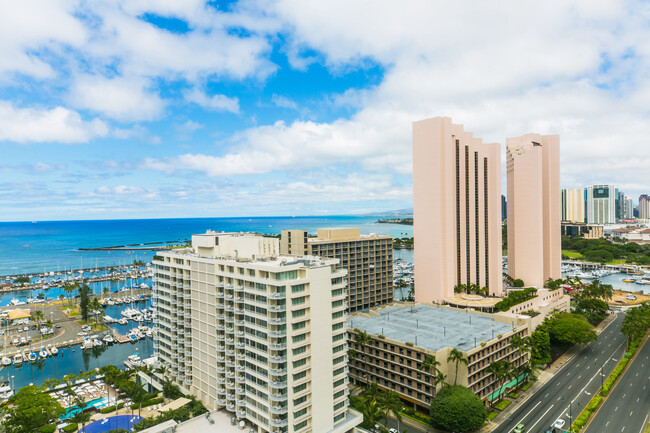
(32, 409)
(457, 409)
(568, 328)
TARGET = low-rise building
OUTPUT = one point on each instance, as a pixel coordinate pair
(587, 231)
(633, 234)
(403, 335)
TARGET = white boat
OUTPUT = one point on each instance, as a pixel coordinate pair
(135, 360)
(18, 359)
(32, 357)
(97, 342)
(54, 351)
(87, 344)
(108, 339)
(6, 361)
(43, 353)
(642, 281)
(122, 321)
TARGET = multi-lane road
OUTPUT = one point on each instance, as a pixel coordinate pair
(571, 388)
(627, 408)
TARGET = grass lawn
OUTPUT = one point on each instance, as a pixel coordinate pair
(572, 254)
(528, 385)
(97, 327)
(617, 262)
(73, 311)
(492, 415)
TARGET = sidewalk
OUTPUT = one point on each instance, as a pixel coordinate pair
(543, 377)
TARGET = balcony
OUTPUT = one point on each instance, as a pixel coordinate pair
(276, 384)
(277, 308)
(277, 397)
(240, 390)
(277, 410)
(276, 321)
(277, 346)
(240, 378)
(221, 401)
(278, 358)
(278, 371)
(239, 289)
(188, 381)
(278, 422)
(276, 295)
(241, 413)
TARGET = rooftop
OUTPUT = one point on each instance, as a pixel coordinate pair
(214, 422)
(430, 327)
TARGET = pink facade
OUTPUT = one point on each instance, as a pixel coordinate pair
(456, 210)
(534, 208)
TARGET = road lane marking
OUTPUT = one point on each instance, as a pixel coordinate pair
(547, 394)
(534, 407)
(616, 409)
(540, 418)
(631, 413)
(607, 424)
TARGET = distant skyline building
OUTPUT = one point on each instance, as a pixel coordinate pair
(367, 258)
(644, 206)
(601, 204)
(534, 208)
(504, 208)
(573, 205)
(456, 210)
(620, 205)
(629, 208)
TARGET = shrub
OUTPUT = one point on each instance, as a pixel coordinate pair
(518, 282)
(50, 428)
(456, 408)
(513, 395)
(502, 404)
(492, 415)
(528, 385)
(70, 428)
(110, 409)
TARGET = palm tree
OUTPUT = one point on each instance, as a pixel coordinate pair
(430, 365)
(456, 356)
(440, 378)
(373, 392)
(372, 412)
(105, 291)
(391, 402)
(520, 345)
(96, 306)
(498, 369)
(360, 341)
(38, 316)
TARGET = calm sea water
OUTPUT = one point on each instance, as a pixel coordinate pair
(32, 247)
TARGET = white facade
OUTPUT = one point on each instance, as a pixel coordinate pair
(644, 207)
(601, 204)
(256, 333)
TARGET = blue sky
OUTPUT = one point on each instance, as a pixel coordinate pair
(146, 108)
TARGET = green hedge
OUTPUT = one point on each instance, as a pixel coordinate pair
(515, 298)
(492, 415)
(502, 404)
(513, 395)
(111, 408)
(50, 428)
(70, 428)
(152, 402)
(528, 385)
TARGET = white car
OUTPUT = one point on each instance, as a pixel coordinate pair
(86, 328)
(82, 334)
(559, 423)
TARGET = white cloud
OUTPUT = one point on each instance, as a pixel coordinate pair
(283, 102)
(214, 102)
(58, 124)
(28, 26)
(122, 98)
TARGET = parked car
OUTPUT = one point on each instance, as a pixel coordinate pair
(58, 326)
(86, 328)
(82, 334)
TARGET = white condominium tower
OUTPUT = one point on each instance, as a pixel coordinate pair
(257, 333)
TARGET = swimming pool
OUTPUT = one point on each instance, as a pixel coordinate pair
(112, 423)
(98, 403)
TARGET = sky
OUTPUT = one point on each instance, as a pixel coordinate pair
(166, 108)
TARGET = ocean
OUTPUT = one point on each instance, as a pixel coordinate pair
(38, 246)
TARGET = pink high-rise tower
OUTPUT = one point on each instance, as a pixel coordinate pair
(534, 208)
(456, 210)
